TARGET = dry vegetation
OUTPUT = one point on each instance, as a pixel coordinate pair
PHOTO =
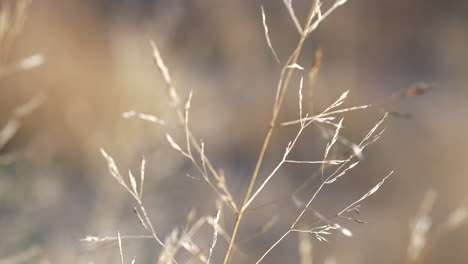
(242, 227)
(216, 180)
(12, 15)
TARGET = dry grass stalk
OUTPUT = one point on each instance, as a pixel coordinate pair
(303, 125)
(330, 260)
(120, 248)
(267, 36)
(283, 84)
(14, 123)
(12, 17)
(143, 116)
(312, 83)
(176, 240)
(261, 230)
(424, 236)
(329, 145)
(111, 239)
(215, 234)
(216, 180)
(420, 228)
(365, 196)
(305, 248)
(173, 242)
(323, 117)
(24, 64)
(415, 89)
(339, 172)
(290, 66)
(113, 169)
(458, 216)
(319, 232)
(292, 14)
(219, 187)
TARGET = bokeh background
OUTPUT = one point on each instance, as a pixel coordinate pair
(54, 185)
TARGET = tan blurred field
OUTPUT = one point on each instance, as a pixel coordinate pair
(55, 187)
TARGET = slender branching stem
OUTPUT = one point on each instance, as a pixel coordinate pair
(283, 85)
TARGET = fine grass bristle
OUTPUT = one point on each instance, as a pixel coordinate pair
(331, 169)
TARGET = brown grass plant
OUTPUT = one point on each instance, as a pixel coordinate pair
(194, 150)
(424, 234)
(12, 17)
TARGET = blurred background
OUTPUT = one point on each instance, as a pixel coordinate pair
(55, 188)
